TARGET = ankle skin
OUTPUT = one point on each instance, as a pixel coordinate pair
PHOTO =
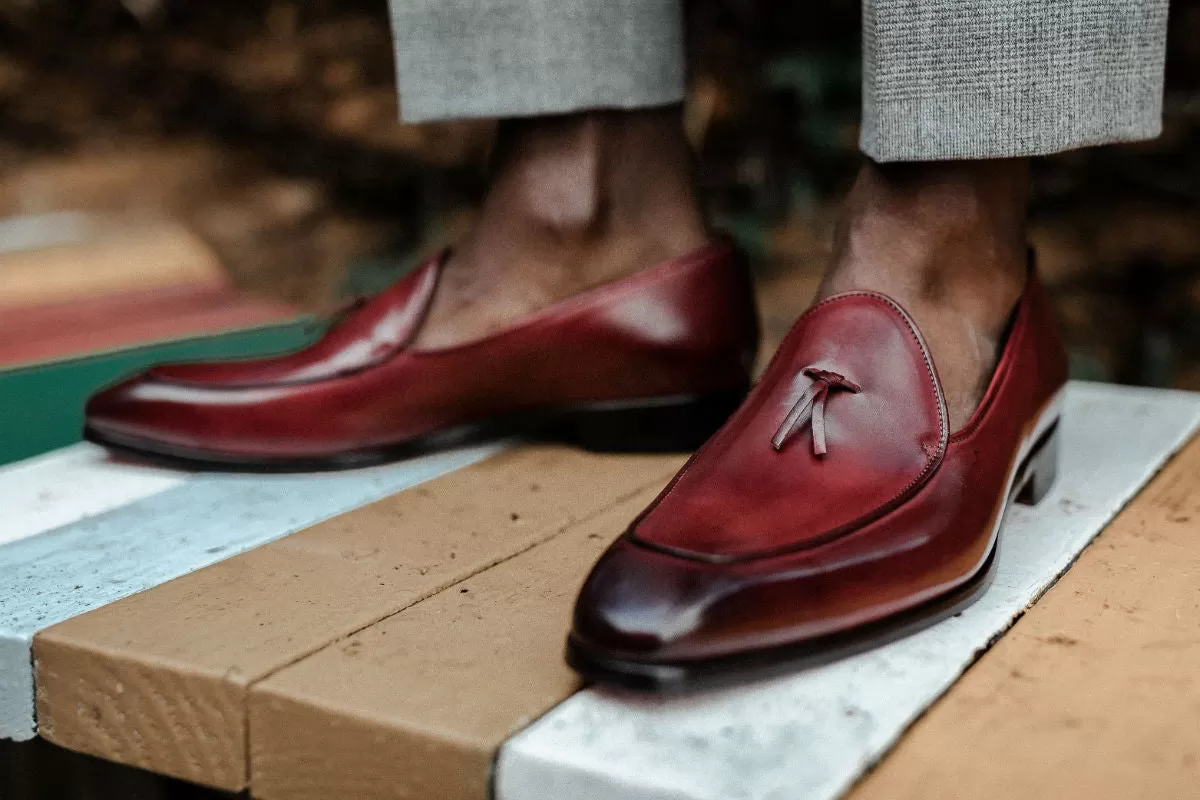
(576, 201)
(947, 241)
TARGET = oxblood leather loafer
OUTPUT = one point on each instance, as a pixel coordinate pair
(656, 361)
(834, 509)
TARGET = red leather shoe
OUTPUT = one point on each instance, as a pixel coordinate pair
(656, 361)
(835, 508)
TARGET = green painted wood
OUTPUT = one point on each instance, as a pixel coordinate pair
(41, 406)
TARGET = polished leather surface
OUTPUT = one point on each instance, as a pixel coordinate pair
(883, 442)
(683, 328)
(369, 336)
(752, 548)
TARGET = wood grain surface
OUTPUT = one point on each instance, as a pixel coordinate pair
(159, 680)
(416, 705)
(63, 568)
(1095, 693)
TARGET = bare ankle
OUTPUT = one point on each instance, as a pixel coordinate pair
(947, 240)
(946, 233)
(576, 201)
(588, 191)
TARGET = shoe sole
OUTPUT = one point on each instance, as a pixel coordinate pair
(1028, 484)
(654, 425)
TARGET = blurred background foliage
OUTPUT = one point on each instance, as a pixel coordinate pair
(268, 127)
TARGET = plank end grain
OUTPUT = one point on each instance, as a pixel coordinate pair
(174, 721)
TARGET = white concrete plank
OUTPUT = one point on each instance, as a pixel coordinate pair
(58, 574)
(67, 485)
(813, 734)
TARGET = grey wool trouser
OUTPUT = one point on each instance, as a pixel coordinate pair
(942, 79)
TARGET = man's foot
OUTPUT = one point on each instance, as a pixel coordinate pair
(835, 510)
(653, 362)
(947, 241)
(576, 201)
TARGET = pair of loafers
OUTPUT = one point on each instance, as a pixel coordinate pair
(828, 508)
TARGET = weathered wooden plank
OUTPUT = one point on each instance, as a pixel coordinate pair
(159, 680)
(416, 705)
(814, 733)
(143, 257)
(60, 573)
(71, 484)
(1095, 692)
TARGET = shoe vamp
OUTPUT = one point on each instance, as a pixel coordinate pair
(742, 498)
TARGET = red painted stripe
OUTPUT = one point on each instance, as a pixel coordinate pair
(112, 306)
(66, 330)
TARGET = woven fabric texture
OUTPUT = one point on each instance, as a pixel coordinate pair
(510, 58)
(949, 79)
(942, 79)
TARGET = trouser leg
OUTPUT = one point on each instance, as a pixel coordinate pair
(511, 58)
(955, 79)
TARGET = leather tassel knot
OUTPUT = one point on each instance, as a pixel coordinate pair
(811, 408)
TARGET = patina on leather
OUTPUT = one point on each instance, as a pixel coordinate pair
(752, 548)
(683, 329)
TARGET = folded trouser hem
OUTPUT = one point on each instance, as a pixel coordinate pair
(945, 79)
(987, 126)
(510, 58)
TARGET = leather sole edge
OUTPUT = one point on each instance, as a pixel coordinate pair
(678, 423)
(1036, 462)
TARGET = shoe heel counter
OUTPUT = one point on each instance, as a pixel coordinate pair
(692, 330)
(1051, 350)
(724, 313)
(749, 324)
